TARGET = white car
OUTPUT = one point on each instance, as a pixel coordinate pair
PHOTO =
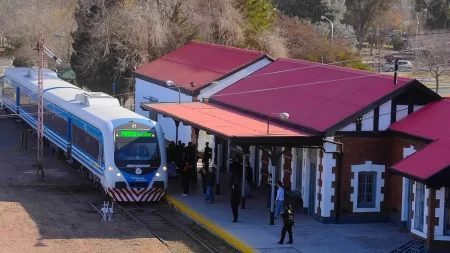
(402, 66)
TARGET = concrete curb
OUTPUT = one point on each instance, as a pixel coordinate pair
(196, 217)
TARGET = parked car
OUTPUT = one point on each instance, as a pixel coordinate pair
(403, 65)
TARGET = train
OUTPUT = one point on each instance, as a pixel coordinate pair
(120, 151)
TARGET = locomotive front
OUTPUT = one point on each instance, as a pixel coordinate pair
(141, 167)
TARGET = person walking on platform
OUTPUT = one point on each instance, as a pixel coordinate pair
(269, 190)
(279, 201)
(235, 200)
(210, 181)
(186, 178)
(204, 174)
(288, 222)
(207, 154)
(249, 180)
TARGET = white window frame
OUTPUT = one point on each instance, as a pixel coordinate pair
(379, 183)
(373, 191)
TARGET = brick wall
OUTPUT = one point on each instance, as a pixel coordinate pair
(357, 151)
(395, 181)
(431, 219)
(287, 168)
(381, 150)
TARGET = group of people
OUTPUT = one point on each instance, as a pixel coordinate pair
(184, 157)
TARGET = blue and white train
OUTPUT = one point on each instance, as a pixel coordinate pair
(120, 151)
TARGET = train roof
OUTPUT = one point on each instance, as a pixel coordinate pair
(89, 106)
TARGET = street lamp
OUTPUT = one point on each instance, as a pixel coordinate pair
(282, 115)
(417, 19)
(332, 26)
(172, 84)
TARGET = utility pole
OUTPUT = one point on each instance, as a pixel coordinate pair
(40, 116)
(40, 113)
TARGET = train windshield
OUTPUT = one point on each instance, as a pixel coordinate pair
(136, 147)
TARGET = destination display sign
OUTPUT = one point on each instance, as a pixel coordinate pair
(135, 134)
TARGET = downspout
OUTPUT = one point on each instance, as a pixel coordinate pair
(340, 155)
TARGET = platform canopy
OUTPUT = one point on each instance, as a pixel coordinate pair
(237, 127)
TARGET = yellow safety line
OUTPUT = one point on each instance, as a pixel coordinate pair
(242, 246)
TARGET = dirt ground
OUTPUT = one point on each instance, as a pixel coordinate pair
(44, 217)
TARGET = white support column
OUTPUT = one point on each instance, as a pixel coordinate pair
(293, 169)
(328, 163)
(219, 163)
(228, 156)
(306, 184)
(282, 169)
(260, 166)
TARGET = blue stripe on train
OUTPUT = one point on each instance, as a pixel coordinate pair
(78, 154)
(59, 111)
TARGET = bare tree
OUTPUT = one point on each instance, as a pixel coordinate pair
(433, 56)
(20, 21)
(362, 13)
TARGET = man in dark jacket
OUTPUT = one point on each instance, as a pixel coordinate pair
(288, 222)
(235, 200)
(207, 154)
(249, 180)
(210, 181)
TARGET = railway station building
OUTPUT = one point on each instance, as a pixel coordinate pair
(199, 70)
(355, 147)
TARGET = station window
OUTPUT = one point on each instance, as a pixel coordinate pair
(419, 206)
(366, 189)
(298, 169)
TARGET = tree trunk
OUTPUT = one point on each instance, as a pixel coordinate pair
(437, 84)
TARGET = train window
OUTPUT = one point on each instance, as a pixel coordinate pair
(9, 91)
(85, 141)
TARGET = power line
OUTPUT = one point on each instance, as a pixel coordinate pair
(333, 63)
(303, 84)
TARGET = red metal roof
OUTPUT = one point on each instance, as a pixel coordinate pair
(198, 62)
(431, 122)
(315, 95)
(427, 162)
(222, 120)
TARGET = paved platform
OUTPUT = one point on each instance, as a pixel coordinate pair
(252, 232)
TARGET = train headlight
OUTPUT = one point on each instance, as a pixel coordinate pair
(164, 168)
(157, 174)
(110, 168)
(118, 174)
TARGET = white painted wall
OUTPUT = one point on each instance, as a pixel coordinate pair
(202, 139)
(146, 89)
(349, 128)
(224, 83)
(367, 167)
(440, 213)
(328, 177)
(385, 116)
(402, 112)
(405, 184)
(367, 122)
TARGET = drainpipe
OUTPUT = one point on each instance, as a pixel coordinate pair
(338, 176)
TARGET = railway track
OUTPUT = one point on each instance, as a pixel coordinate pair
(162, 225)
